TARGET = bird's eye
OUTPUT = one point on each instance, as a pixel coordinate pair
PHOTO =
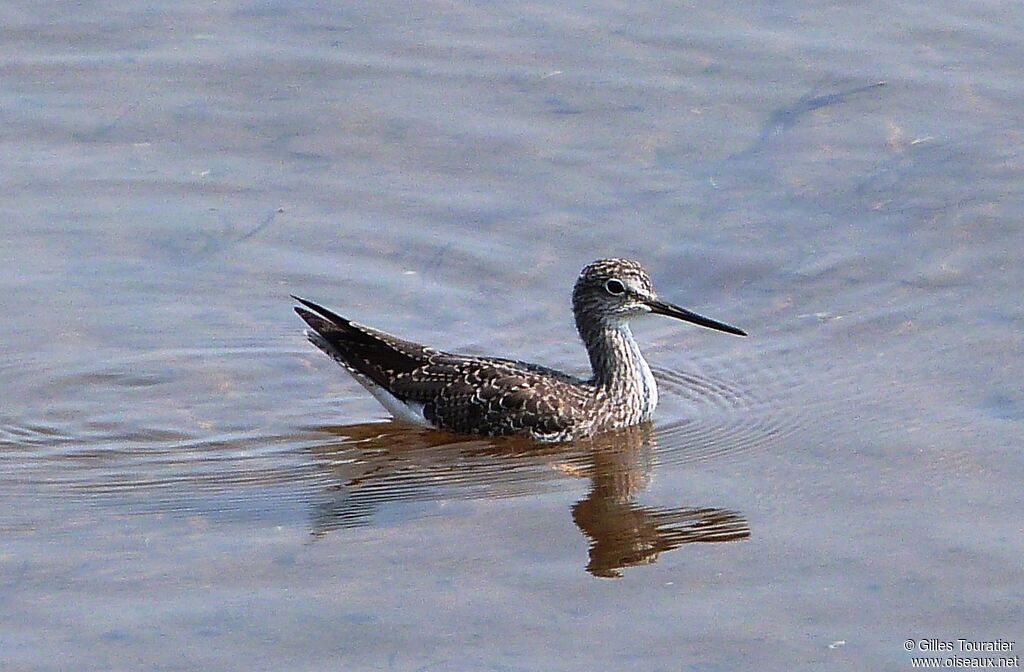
(614, 287)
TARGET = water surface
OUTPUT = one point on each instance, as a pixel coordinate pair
(189, 485)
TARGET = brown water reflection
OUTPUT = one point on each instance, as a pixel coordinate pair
(377, 463)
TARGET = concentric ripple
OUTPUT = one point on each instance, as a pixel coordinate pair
(157, 457)
(716, 411)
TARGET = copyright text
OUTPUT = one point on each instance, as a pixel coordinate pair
(963, 653)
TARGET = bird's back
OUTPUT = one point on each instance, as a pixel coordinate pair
(460, 393)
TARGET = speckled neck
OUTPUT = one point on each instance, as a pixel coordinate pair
(620, 368)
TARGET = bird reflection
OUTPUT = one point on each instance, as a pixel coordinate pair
(371, 464)
(624, 534)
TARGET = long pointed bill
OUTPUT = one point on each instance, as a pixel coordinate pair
(662, 308)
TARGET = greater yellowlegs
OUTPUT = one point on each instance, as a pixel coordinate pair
(487, 395)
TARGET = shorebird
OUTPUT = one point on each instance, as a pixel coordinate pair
(494, 397)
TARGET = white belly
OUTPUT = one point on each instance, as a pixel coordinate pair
(403, 411)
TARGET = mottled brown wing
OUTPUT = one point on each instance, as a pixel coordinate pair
(458, 392)
(502, 396)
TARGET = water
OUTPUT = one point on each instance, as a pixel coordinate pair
(189, 485)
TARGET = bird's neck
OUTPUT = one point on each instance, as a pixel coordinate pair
(619, 367)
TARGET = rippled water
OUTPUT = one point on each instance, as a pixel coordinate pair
(188, 485)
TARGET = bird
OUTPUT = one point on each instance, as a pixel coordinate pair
(491, 396)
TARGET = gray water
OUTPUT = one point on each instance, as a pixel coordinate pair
(187, 484)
